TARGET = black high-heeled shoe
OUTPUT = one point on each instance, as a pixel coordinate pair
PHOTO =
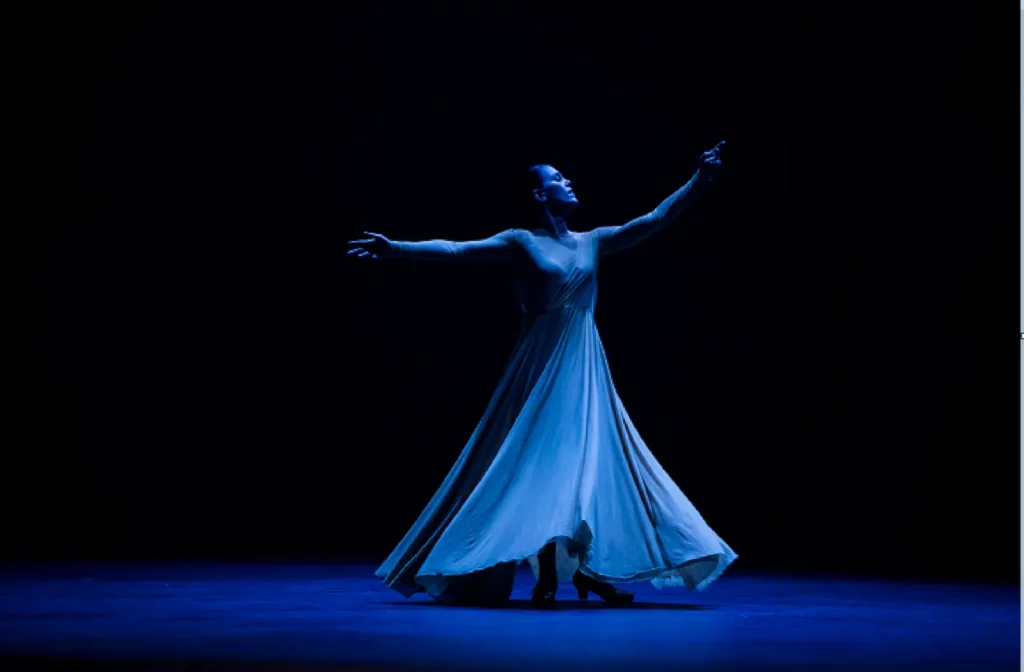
(606, 591)
(543, 595)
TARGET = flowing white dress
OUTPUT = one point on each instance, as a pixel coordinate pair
(555, 458)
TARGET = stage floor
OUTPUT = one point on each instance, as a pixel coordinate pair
(289, 616)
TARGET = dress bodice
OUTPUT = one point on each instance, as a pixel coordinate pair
(557, 273)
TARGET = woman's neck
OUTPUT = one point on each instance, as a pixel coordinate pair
(554, 225)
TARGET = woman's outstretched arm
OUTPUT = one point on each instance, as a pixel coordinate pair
(499, 247)
(616, 238)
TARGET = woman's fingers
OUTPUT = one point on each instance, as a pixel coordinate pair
(355, 250)
(361, 242)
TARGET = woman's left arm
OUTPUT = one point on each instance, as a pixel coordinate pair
(616, 238)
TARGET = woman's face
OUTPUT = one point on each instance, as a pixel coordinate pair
(556, 191)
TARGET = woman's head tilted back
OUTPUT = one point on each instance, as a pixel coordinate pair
(544, 187)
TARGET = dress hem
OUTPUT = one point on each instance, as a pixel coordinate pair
(661, 577)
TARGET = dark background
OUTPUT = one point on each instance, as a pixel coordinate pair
(821, 353)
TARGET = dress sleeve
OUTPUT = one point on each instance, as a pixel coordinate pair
(499, 247)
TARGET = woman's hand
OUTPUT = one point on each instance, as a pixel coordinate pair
(710, 163)
(374, 247)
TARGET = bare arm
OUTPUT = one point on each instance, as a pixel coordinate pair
(498, 248)
(615, 238)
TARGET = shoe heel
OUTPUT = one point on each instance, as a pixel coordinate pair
(582, 593)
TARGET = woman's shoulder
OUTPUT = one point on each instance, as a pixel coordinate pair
(515, 235)
(538, 233)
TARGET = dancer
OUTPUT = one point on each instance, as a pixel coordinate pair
(555, 472)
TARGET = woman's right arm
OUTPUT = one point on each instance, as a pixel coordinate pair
(499, 247)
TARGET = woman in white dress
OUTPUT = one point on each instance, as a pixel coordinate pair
(555, 472)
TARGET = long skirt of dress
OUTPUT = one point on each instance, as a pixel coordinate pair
(555, 458)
